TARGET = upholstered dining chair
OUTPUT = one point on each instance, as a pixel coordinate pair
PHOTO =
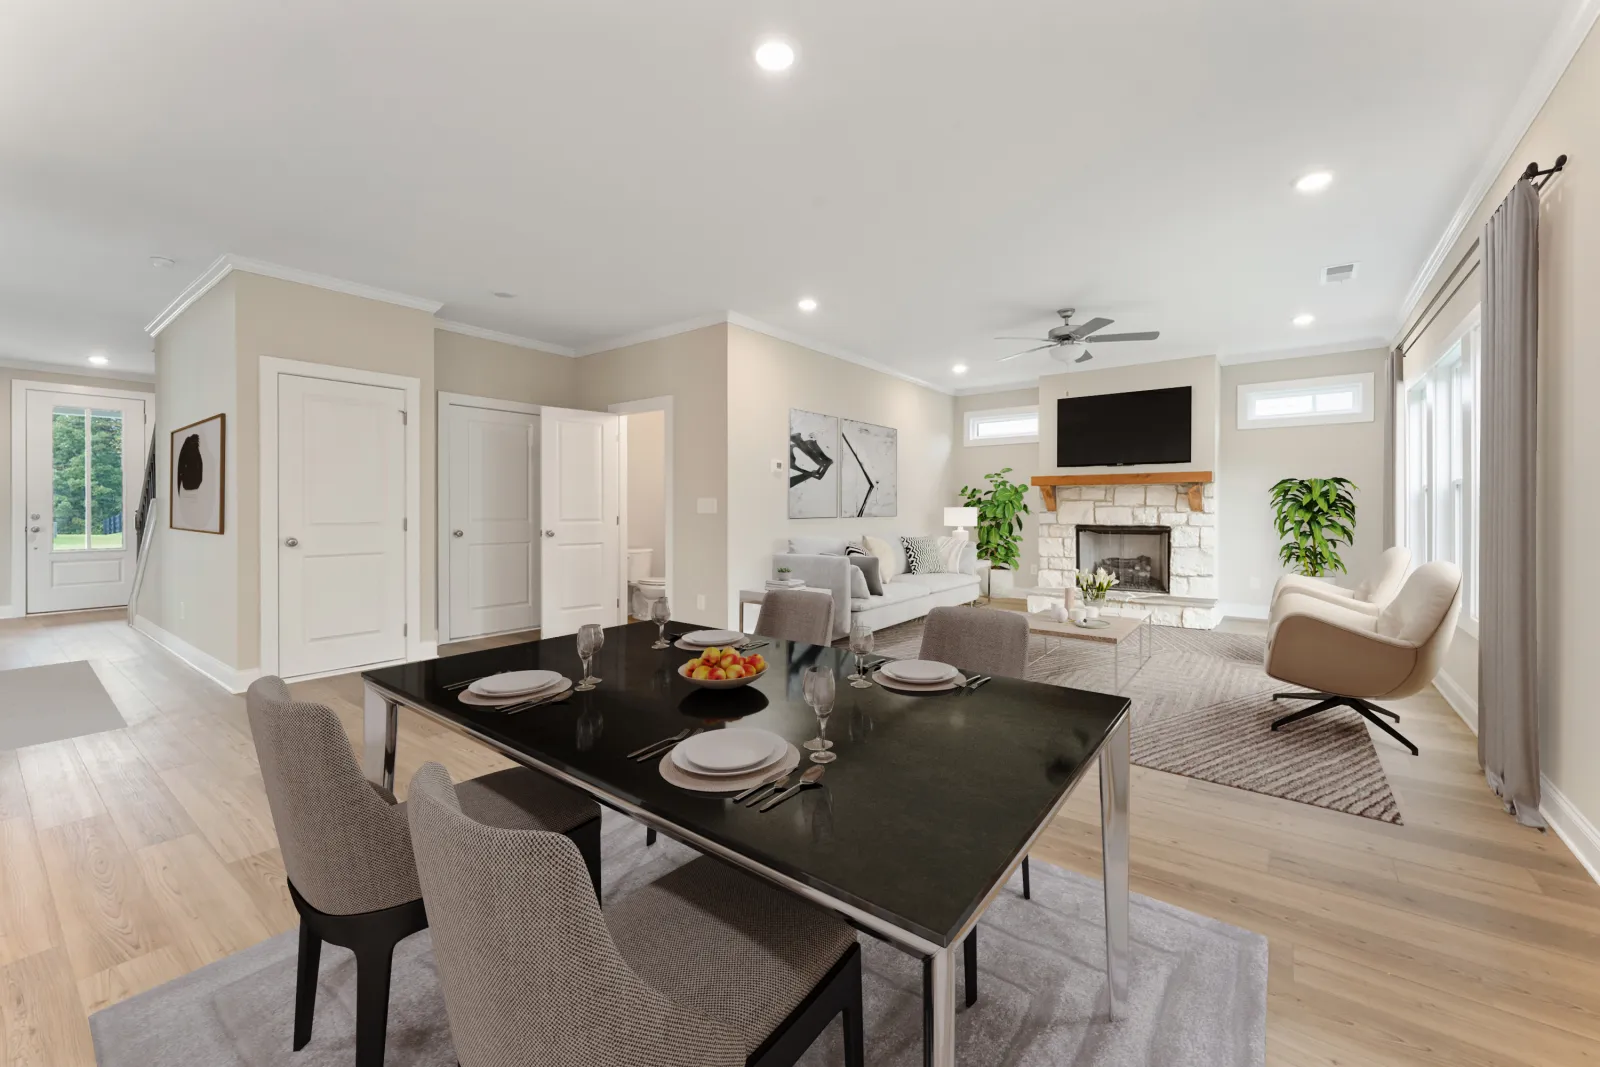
(1347, 658)
(704, 967)
(993, 642)
(804, 615)
(1370, 597)
(347, 848)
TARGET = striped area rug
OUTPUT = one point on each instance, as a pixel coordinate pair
(1203, 708)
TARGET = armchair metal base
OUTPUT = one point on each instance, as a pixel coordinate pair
(1327, 701)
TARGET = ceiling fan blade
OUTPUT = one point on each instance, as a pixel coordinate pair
(1084, 329)
(1086, 357)
(1022, 339)
(1147, 335)
(1014, 355)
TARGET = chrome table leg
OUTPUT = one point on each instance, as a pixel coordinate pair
(1114, 772)
(380, 735)
(939, 1008)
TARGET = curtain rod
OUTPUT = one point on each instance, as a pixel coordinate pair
(1533, 172)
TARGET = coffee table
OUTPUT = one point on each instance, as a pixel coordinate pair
(1118, 629)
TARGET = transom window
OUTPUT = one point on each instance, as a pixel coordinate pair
(1003, 426)
(1306, 402)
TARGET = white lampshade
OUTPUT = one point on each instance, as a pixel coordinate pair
(961, 516)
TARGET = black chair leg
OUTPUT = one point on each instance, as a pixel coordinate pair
(649, 838)
(854, 1015)
(1027, 881)
(1320, 706)
(372, 1003)
(587, 838)
(1365, 709)
(969, 957)
(1366, 712)
(305, 985)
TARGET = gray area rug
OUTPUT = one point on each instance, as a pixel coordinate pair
(53, 703)
(1198, 991)
(1203, 708)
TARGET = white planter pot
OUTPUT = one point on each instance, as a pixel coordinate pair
(1002, 584)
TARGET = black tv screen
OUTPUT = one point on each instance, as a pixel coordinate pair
(1116, 429)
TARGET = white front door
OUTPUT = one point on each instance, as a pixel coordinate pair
(341, 525)
(491, 492)
(580, 504)
(85, 468)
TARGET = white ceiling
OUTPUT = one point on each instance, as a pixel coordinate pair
(934, 172)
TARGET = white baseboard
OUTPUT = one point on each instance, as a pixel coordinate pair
(1457, 698)
(232, 679)
(1243, 611)
(10, 611)
(1572, 826)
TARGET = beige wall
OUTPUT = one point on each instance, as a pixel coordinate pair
(191, 586)
(1569, 432)
(647, 502)
(1250, 461)
(969, 463)
(1200, 373)
(301, 322)
(9, 522)
(768, 377)
(692, 368)
(476, 367)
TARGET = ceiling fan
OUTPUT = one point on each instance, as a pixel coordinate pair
(1069, 336)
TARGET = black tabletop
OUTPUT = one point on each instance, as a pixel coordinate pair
(931, 798)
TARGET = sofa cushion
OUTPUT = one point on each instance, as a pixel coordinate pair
(938, 583)
(817, 546)
(893, 593)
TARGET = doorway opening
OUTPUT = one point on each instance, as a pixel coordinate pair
(647, 496)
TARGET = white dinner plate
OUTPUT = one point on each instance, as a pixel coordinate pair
(732, 751)
(918, 687)
(514, 683)
(780, 749)
(918, 671)
(713, 638)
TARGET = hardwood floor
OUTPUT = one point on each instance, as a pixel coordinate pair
(130, 857)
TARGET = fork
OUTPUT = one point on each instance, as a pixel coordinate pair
(463, 685)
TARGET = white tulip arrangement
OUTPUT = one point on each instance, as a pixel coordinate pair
(1095, 586)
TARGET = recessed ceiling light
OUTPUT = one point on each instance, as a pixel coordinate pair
(506, 296)
(1304, 320)
(98, 360)
(959, 368)
(774, 55)
(1314, 182)
(807, 304)
(160, 261)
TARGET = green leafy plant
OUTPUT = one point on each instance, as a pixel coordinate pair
(1000, 510)
(1315, 515)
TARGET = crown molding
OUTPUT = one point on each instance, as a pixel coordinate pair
(1563, 44)
(114, 374)
(226, 264)
(466, 329)
(1330, 348)
(734, 318)
(653, 334)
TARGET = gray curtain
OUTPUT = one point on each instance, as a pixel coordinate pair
(1508, 709)
(1394, 372)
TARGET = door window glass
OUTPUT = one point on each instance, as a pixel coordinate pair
(70, 504)
(105, 479)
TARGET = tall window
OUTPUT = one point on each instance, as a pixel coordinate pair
(1442, 462)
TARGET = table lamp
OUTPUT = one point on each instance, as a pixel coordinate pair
(960, 518)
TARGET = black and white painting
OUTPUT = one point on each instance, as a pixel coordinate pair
(813, 465)
(869, 481)
(197, 476)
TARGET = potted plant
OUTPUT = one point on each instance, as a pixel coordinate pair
(1094, 588)
(1000, 510)
(1314, 516)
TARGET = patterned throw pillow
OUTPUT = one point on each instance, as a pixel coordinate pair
(924, 555)
(950, 550)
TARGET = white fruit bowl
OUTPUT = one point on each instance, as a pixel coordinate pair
(718, 683)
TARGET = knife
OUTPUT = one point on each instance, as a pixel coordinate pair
(771, 779)
(770, 788)
(639, 753)
(668, 746)
(811, 777)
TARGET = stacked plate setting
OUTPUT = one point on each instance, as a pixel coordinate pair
(700, 640)
(919, 675)
(515, 687)
(733, 753)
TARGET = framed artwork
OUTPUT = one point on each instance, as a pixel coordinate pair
(198, 475)
(813, 465)
(869, 475)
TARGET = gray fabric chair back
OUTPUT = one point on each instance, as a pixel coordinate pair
(804, 615)
(979, 639)
(345, 847)
(530, 973)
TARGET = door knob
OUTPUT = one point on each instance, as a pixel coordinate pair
(456, 533)
(291, 542)
(549, 533)
(33, 529)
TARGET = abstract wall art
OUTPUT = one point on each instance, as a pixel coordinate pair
(813, 465)
(869, 480)
(198, 476)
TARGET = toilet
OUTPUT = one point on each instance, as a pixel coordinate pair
(643, 589)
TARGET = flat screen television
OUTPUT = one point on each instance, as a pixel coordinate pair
(1117, 429)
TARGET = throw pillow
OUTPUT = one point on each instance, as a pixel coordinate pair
(969, 558)
(858, 584)
(924, 555)
(888, 556)
(868, 566)
(950, 551)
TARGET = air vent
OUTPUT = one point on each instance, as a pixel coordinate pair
(1339, 272)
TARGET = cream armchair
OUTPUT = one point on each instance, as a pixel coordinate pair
(1369, 598)
(1347, 658)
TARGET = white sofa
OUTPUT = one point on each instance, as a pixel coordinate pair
(905, 596)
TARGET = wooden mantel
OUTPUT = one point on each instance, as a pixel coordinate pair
(1047, 482)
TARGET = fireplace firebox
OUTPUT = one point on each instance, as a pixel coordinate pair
(1139, 556)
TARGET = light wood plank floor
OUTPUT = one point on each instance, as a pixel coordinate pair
(128, 858)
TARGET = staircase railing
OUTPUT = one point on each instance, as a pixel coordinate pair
(144, 529)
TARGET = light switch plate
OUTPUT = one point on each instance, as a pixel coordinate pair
(706, 505)
(700, 601)
(777, 466)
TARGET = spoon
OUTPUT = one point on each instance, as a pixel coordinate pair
(811, 777)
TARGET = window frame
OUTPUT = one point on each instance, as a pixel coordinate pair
(1364, 384)
(973, 419)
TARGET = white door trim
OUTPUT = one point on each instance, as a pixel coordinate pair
(442, 485)
(19, 470)
(662, 404)
(271, 368)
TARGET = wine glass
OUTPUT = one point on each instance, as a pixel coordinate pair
(660, 613)
(819, 692)
(860, 644)
(591, 639)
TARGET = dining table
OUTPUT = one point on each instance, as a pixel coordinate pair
(932, 802)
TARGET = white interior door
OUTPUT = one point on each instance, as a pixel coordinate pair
(85, 466)
(580, 504)
(492, 500)
(341, 525)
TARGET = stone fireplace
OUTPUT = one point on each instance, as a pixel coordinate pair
(1137, 556)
